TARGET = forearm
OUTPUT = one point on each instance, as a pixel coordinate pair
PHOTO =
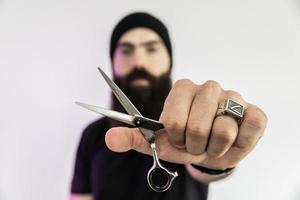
(204, 177)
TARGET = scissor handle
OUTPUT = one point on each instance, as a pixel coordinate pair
(158, 172)
(162, 172)
(147, 123)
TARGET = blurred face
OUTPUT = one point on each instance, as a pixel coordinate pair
(141, 66)
(140, 48)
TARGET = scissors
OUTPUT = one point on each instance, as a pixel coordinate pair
(159, 178)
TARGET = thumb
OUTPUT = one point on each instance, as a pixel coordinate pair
(121, 139)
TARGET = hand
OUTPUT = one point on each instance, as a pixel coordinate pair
(192, 134)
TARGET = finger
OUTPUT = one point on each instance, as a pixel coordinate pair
(176, 110)
(251, 130)
(201, 117)
(121, 139)
(223, 134)
(225, 128)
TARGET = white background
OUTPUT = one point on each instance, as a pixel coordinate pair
(49, 51)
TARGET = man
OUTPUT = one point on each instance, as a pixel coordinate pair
(201, 141)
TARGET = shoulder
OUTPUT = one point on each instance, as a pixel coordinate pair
(94, 134)
(95, 127)
(102, 123)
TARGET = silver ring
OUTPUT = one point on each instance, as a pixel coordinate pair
(233, 109)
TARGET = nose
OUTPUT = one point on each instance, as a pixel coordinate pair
(139, 59)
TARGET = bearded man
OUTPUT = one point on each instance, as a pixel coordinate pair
(201, 141)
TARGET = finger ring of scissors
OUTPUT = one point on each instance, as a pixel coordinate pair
(159, 178)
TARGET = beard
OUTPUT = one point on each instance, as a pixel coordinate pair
(148, 99)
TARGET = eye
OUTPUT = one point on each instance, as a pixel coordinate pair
(126, 50)
(152, 49)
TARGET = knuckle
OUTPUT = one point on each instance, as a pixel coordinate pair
(256, 118)
(232, 93)
(183, 83)
(214, 85)
(244, 144)
(225, 136)
(197, 131)
(173, 125)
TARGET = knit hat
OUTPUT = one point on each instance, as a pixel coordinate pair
(140, 19)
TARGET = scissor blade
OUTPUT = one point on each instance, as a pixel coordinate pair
(128, 106)
(128, 119)
(125, 102)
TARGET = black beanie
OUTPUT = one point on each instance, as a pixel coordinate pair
(140, 19)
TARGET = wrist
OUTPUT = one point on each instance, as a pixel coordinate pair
(205, 177)
(213, 171)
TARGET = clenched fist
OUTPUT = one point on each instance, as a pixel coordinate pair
(193, 134)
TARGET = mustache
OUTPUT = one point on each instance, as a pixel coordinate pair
(139, 73)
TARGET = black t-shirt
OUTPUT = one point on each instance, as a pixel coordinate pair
(109, 175)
